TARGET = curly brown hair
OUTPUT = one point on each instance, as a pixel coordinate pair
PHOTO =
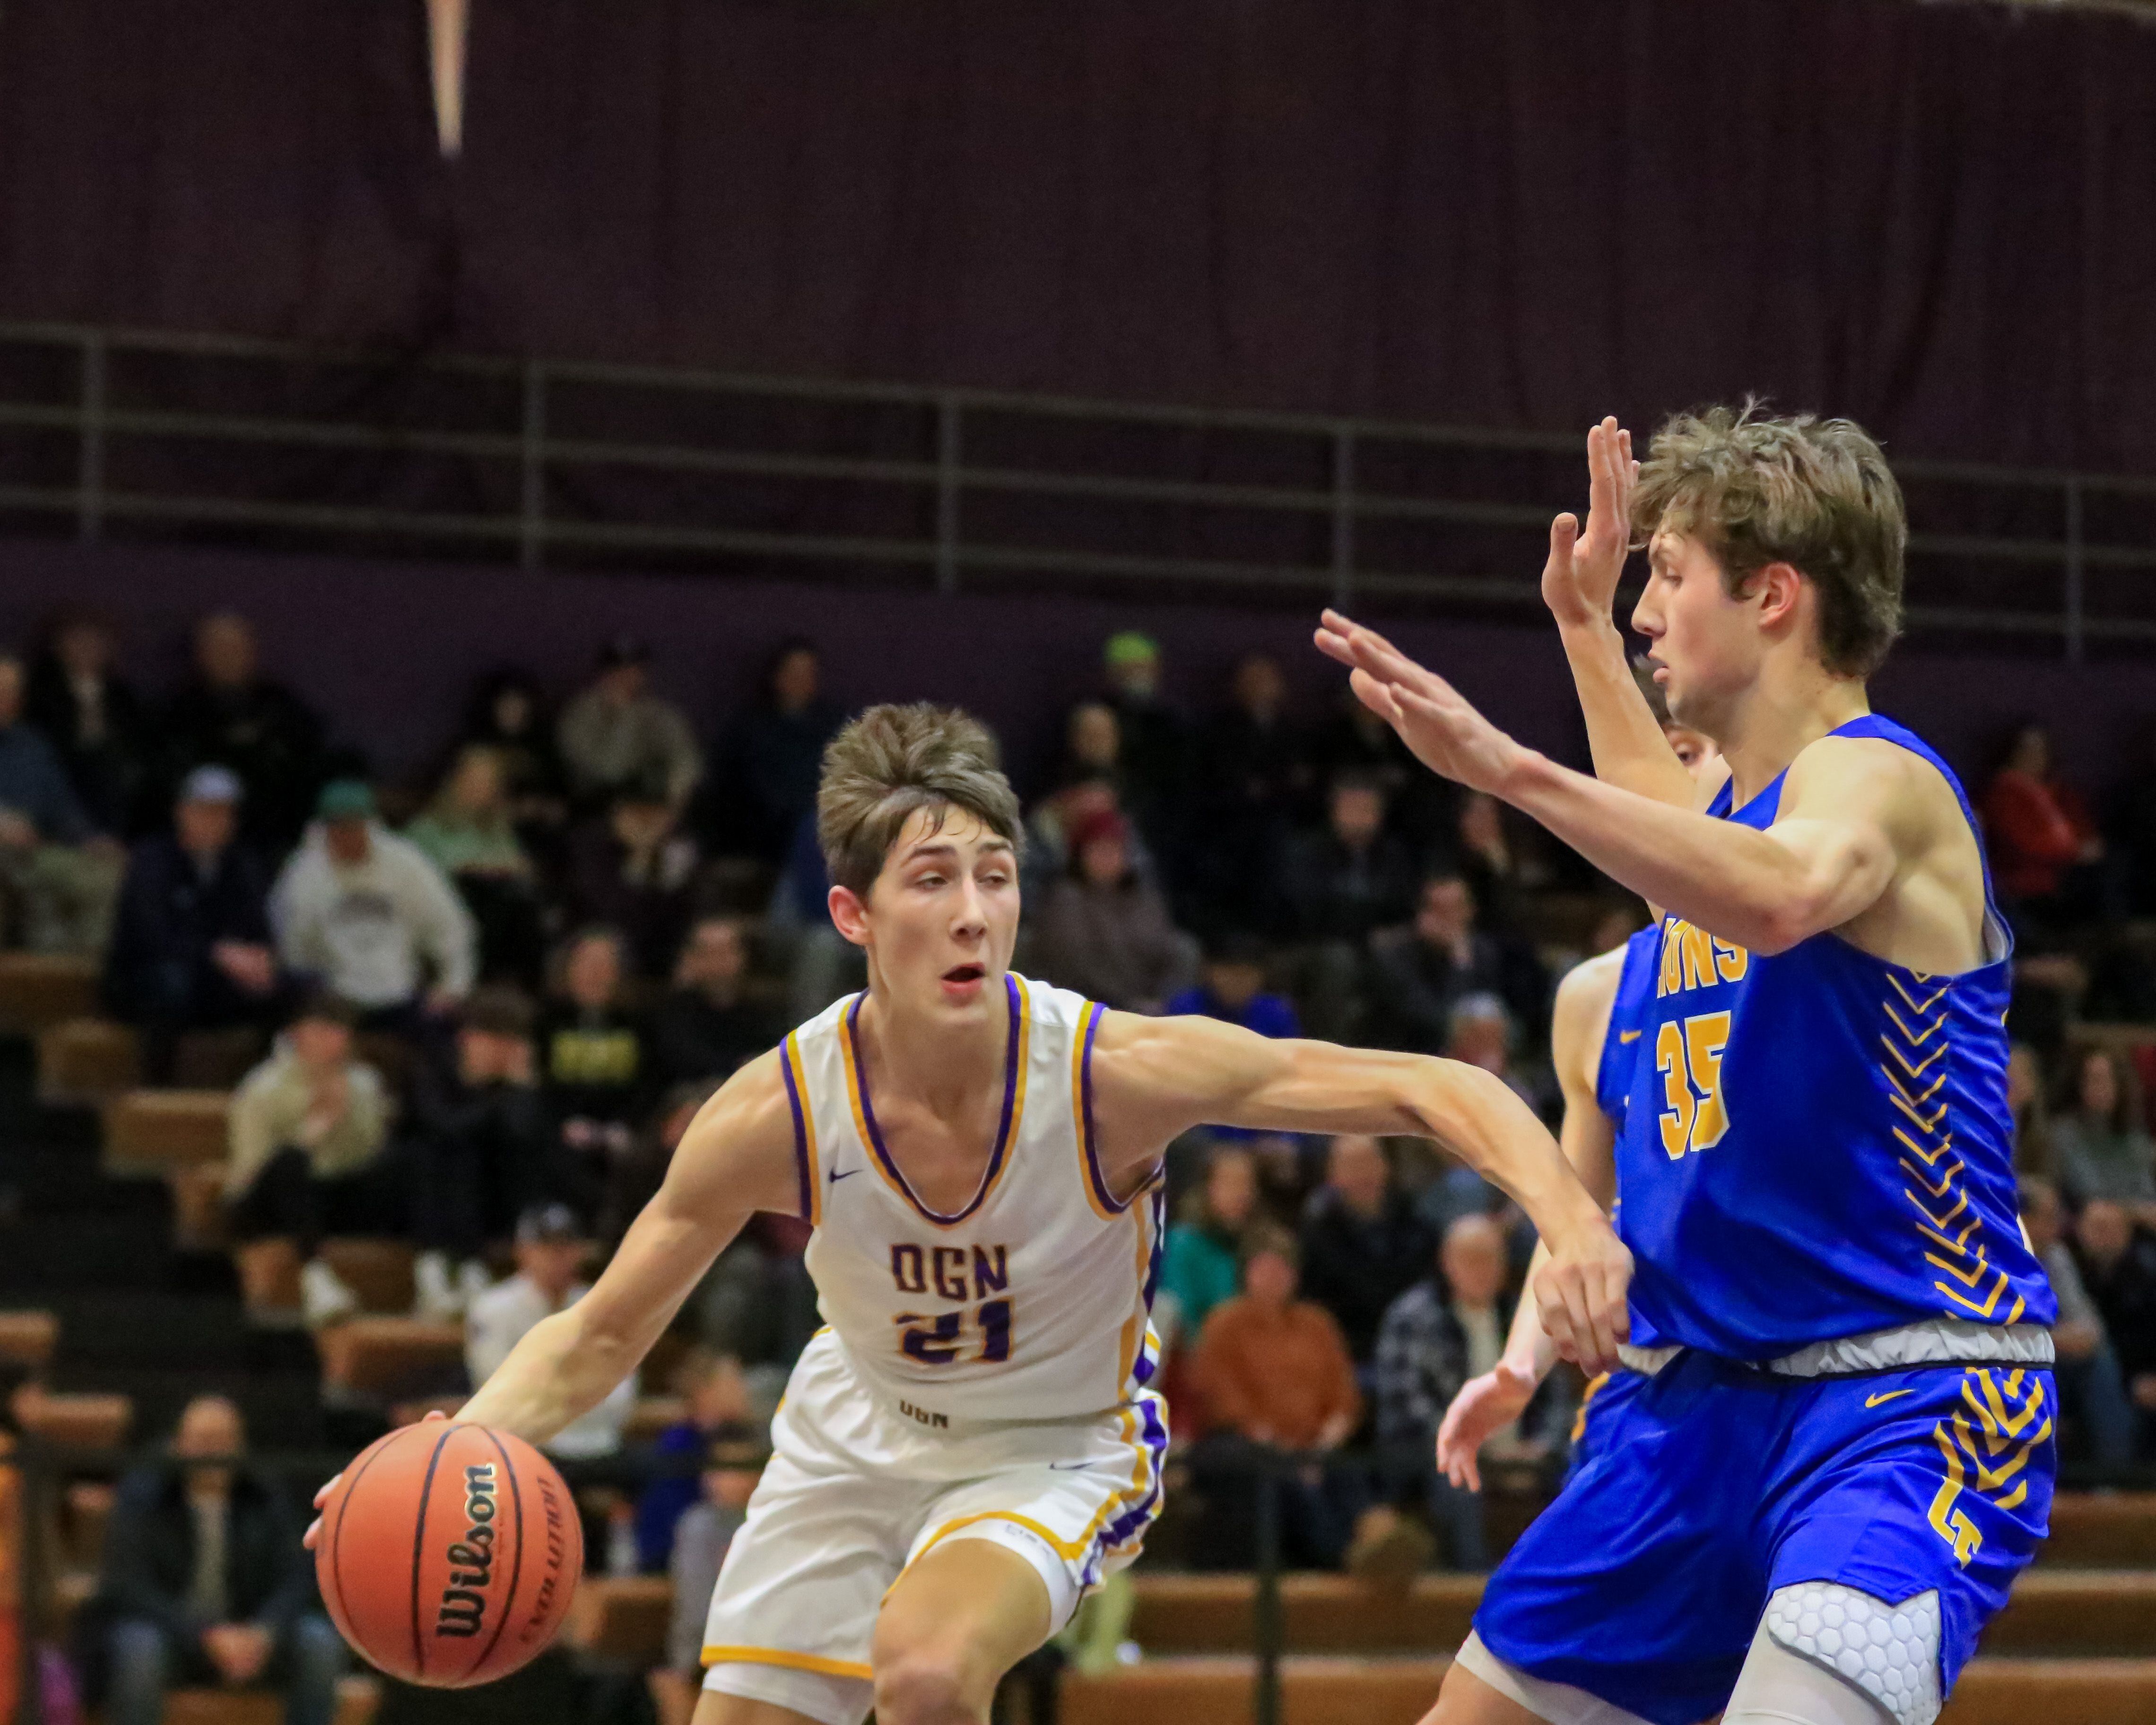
(1756, 488)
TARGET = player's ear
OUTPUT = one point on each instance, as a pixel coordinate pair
(1778, 588)
(849, 915)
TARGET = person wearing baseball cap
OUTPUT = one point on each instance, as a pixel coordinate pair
(190, 945)
(552, 1244)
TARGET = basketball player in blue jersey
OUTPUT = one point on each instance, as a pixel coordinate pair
(974, 1440)
(1595, 1035)
(1844, 1455)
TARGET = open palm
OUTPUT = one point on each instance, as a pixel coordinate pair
(1440, 724)
(1579, 581)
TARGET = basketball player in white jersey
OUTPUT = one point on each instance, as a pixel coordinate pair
(973, 1441)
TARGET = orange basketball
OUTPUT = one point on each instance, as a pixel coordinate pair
(449, 1553)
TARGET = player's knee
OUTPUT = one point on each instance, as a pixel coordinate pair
(926, 1686)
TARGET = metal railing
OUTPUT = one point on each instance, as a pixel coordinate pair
(108, 432)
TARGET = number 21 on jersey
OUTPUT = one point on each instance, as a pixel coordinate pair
(1688, 1056)
(947, 1271)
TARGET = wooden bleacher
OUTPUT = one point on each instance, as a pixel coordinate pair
(39, 989)
(388, 1359)
(28, 1338)
(81, 1421)
(154, 1132)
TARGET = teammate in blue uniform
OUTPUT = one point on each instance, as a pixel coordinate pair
(1595, 1033)
(1844, 1455)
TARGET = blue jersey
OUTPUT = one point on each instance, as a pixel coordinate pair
(1817, 1144)
(1620, 1042)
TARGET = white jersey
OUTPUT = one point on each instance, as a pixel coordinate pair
(1030, 1303)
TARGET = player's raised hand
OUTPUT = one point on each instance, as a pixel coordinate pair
(1485, 1406)
(1579, 581)
(1580, 1295)
(1443, 728)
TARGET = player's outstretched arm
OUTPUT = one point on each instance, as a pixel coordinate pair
(1489, 1403)
(1843, 834)
(1579, 586)
(736, 1159)
(1155, 1078)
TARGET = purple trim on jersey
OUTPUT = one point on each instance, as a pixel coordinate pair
(1155, 1439)
(1100, 1189)
(807, 1176)
(1003, 1126)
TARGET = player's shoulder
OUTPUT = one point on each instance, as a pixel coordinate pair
(1579, 1014)
(1871, 775)
(1593, 981)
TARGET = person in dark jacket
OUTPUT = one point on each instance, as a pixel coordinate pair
(192, 948)
(231, 714)
(204, 1582)
(1362, 1244)
(707, 1025)
(94, 720)
(771, 755)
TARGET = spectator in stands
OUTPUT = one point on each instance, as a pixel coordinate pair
(508, 713)
(2099, 1146)
(1423, 807)
(1352, 878)
(633, 868)
(2026, 1102)
(94, 720)
(716, 1398)
(550, 1256)
(774, 754)
(1104, 930)
(2091, 1388)
(1231, 986)
(231, 714)
(595, 1065)
(309, 1136)
(1362, 1244)
(469, 832)
(733, 1464)
(362, 911)
(1201, 1264)
(203, 1581)
(2118, 1266)
(1419, 974)
(1253, 769)
(1274, 1372)
(483, 1148)
(2045, 849)
(1479, 1033)
(1449, 1327)
(61, 873)
(618, 733)
(1154, 756)
(708, 1026)
(191, 943)
(1499, 872)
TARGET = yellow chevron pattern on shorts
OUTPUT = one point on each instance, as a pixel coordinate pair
(1990, 1456)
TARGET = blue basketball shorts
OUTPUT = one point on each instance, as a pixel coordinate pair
(1711, 1485)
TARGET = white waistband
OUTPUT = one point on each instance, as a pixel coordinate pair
(1941, 1341)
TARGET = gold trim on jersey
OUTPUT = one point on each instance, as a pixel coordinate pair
(804, 1125)
(791, 1661)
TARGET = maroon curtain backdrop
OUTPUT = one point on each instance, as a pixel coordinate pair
(1941, 220)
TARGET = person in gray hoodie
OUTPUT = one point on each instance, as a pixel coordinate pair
(369, 917)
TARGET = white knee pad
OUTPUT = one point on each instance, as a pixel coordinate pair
(1558, 1703)
(1891, 1652)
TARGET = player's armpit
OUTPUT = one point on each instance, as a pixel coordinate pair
(736, 1158)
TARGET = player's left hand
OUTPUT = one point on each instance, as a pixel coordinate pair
(1445, 731)
(1580, 1293)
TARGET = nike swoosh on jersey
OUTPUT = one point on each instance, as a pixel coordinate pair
(836, 1176)
(1873, 1401)
(1624, 1036)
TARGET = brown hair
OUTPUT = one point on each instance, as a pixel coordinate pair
(1756, 488)
(893, 760)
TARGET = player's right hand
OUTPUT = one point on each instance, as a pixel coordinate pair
(1579, 581)
(1485, 1406)
(1580, 1295)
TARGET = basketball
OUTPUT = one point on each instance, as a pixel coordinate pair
(450, 1553)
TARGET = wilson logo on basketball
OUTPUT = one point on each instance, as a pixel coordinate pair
(471, 1559)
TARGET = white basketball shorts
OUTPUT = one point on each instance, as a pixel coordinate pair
(862, 1482)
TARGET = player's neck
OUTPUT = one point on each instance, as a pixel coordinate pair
(1792, 704)
(929, 1062)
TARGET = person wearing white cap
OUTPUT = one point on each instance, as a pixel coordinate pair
(190, 948)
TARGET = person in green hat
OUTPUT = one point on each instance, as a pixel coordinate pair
(367, 914)
(1153, 762)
